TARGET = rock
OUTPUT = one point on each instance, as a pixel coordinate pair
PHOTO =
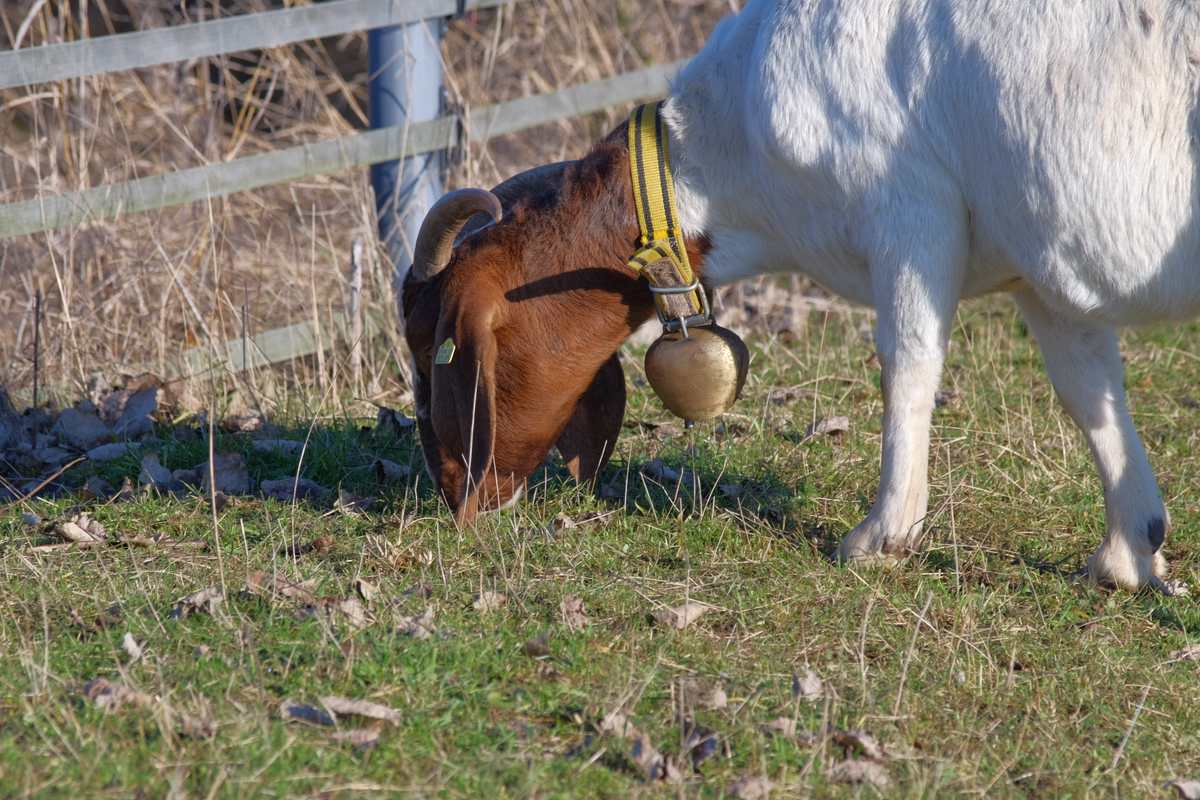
(187, 477)
(107, 452)
(10, 422)
(285, 489)
(81, 429)
(52, 456)
(154, 473)
(135, 419)
(230, 472)
(289, 447)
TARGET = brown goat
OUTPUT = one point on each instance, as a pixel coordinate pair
(536, 306)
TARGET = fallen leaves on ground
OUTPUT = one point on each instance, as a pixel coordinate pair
(714, 699)
(205, 601)
(418, 627)
(110, 696)
(861, 741)
(247, 422)
(320, 545)
(859, 770)
(751, 787)
(807, 686)
(360, 738)
(266, 584)
(1189, 653)
(681, 616)
(488, 601)
(573, 613)
(780, 726)
(365, 589)
(81, 529)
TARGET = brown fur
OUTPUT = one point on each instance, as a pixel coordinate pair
(537, 306)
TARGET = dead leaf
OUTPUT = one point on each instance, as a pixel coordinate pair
(366, 590)
(81, 529)
(343, 707)
(780, 726)
(573, 613)
(715, 699)
(537, 647)
(861, 741)
(782, 395)
(131, 647)
(204, 601)
(1189, 653)
(390, 472)
(153, 473)
(82, 430)
(263, 583)
(192, 726)
(857, 770)
(1187, 790)
(229, 470)
(291, 711)
(285, 490)
(807, 686)
(418, 627)
(681, 616)
(243, 423)
(486, 602)
(360, 738)
(110, 696)
(751, 787)
(615, 723)
(345, 610)
(653, 764)
(287, 447)
(828, 425)
(320, 545)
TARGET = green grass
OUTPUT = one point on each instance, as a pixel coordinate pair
(1017, 681)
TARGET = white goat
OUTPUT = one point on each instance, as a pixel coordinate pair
(909, 153)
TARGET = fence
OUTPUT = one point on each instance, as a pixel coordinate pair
(273, 29)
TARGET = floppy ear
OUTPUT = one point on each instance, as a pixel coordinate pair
(587, 442)
(463, 402)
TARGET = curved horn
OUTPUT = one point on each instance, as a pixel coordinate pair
(435, 241)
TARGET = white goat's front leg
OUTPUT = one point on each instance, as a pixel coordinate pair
(1084, 364)
(916, 292)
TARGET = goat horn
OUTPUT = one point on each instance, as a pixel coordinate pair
(435, 241)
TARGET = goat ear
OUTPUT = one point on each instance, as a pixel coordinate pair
(463, 402)
(587, 442)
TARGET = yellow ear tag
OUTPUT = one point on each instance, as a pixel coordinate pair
(445, 353)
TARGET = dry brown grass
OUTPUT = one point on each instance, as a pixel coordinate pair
(131, 294)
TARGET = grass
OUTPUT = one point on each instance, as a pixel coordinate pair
(981, 666)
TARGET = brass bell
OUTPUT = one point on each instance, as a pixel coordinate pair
(698, 373)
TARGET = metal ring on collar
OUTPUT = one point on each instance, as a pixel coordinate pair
(675, 289)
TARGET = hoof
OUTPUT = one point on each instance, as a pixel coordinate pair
(1115, 566)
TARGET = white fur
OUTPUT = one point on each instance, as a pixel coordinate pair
(909, 153)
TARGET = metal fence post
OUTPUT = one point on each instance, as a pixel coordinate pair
(405, 87)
